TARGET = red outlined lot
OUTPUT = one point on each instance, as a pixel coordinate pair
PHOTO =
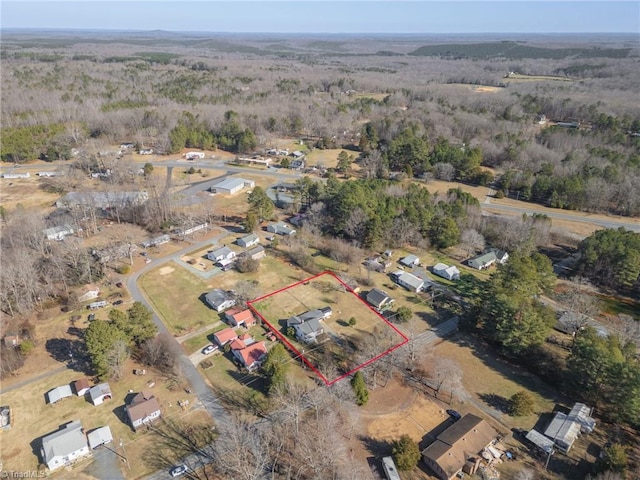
(357, 306)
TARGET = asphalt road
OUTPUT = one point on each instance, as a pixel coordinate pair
(189, 372)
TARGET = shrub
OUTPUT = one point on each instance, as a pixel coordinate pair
(26, 347)
(247, 265)
(360, 389)
(123, 269)
(521, 404)
(352, 322)
(615, 458)
(406, 453)
(499, 194)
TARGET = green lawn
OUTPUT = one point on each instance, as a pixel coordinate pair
(193, 344)
(177, 296)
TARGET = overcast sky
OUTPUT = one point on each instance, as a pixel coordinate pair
(537, 16)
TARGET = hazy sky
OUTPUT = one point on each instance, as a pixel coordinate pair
(539, 16)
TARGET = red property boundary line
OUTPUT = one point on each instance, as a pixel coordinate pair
(300, 355)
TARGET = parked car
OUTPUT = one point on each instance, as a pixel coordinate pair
(455, 415)
(178, 470)
(119, 285)
(92, 317)
(118, 302)
(209, 349)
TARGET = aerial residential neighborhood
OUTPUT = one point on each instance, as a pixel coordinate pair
(309, 256)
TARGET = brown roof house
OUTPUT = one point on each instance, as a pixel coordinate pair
(142, 409)
(81, 387)
(458, 448)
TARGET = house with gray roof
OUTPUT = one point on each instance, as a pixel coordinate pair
(56, 394)
(223, 254)
(446, 271)
(248, 240)
(219, 300)
(410, 261)
(307, 325)
(99, 393)
(379, 299)
(58, 232)
(280, 228)
(408, 281)
(65, 446)
(256, 253)
(99, 436)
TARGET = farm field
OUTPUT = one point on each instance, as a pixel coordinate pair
(346, 346)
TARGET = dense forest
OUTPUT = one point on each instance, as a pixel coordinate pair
(555, 122)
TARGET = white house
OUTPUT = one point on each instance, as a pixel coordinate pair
(445, 271)
(410, 261)
(408, 281)
(194, 155)
(146, 151)
(99, 393)
(280, 228)
(65, 446)
(220, 254)
(232, 185)
(219, 300)
(56, 394)
(142, 409)
(154, 242)
(379, 299)
(487, 259)
(16, 175)
(99, 436)
(307, 325)
(248, 240)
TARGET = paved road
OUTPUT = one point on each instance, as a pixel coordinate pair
(33, 379)
(560, 215)
(189, 372)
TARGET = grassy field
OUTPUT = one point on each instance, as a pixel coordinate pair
(32, 417)
(180, 306)
(346, 345)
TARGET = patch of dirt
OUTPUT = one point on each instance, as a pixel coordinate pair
(395, 410)
(166, 270)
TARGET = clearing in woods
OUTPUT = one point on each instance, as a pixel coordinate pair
(344, 345)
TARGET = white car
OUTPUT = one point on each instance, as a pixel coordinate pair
(209, 349)
(178, 470)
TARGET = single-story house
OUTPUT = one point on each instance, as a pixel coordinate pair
(410, 261)
(99, 393)
(56, 394)
(307, 325)
(232, 185)
(256, 253)
(145, 151)
(379, 299)
(280, 228)
(408, 281)
(458, 448)
(81, 387)
(445, 271)
(159, 240)
(219, 300)
(142, 409)
(539, 440)
(252, 355)
(487, 259)
(58, 232)
(225, 336)
(220, 254)
(240, 318)
(99, 436)
(248, 240)
(65, 446)
(564, 428)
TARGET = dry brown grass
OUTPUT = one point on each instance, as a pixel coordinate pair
(327, 291)
(33, 418)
